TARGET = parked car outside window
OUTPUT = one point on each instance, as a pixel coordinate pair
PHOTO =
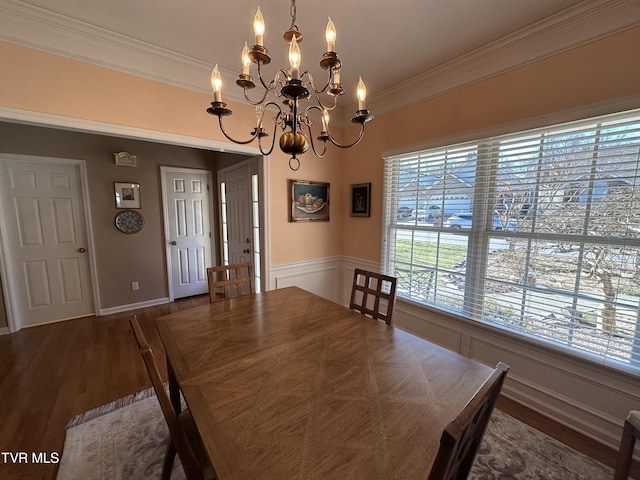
(459, 220)
(464, 220)
(430, 213)
(404, 212)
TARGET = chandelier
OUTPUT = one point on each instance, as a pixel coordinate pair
(290, 87)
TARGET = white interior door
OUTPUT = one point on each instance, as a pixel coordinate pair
(237, 214)
(45, 241)
(243, 217)
(187, 205)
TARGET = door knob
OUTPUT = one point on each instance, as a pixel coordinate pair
(82, 250)
(174, 243)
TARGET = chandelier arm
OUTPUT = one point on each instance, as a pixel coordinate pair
(333, 140)
(308, 123)
(313, 84)
(277, 121)
(313, 146)
(239, 142)
(308, 109)
(273, 142)
(271, 87)
(327, 107)
(253, 102)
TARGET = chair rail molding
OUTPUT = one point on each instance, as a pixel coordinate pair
(319, 276)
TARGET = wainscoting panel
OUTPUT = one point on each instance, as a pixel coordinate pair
(589, 398)
(316, 276)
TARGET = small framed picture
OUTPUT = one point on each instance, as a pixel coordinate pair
(360, 200)
(309, 201)
(127, 194)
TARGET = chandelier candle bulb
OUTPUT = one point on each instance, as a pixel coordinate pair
(330, 34)
(216, 84)
(294, 58)
(336, 77)
(245, 59)
(325, 120)
(258, 27)
(258, 116)
(362, 94)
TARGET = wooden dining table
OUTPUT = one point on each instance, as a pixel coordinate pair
(288, 385)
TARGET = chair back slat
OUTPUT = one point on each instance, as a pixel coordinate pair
(228, 281)
(383, 290)
(462, 436)
(630, 433)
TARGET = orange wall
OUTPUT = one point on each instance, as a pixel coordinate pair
(41, 82)
(604, 70)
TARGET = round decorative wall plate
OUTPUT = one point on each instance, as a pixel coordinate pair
(129, 221)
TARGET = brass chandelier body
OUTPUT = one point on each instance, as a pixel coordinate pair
(290, 88)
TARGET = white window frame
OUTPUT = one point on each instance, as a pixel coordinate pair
(478, 238)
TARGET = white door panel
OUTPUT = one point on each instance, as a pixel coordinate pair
(188, 228)
(46, 241)
(238, 214)
(241, 215)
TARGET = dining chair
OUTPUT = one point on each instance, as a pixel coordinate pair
(382, 288)
(183, 434)
(226, 281)
(461, 438)
(630, 433)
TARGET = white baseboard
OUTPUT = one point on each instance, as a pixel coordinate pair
(133, 306)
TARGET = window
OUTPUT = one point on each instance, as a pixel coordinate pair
(537, 233)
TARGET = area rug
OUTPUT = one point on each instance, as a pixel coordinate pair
(127, 439)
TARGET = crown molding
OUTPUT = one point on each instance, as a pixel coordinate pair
(584, 22)
(577, 25)
(41, 29)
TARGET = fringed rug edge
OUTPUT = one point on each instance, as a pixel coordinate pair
(110, 407)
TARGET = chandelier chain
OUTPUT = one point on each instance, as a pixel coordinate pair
(292, 12)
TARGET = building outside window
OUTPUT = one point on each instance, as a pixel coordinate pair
(537, 233)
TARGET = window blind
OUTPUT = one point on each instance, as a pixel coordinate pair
(535, 232)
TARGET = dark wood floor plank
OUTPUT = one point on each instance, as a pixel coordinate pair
(51, 373)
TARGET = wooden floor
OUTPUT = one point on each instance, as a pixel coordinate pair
(49, 374)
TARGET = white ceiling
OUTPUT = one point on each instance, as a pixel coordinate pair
(413, 47)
